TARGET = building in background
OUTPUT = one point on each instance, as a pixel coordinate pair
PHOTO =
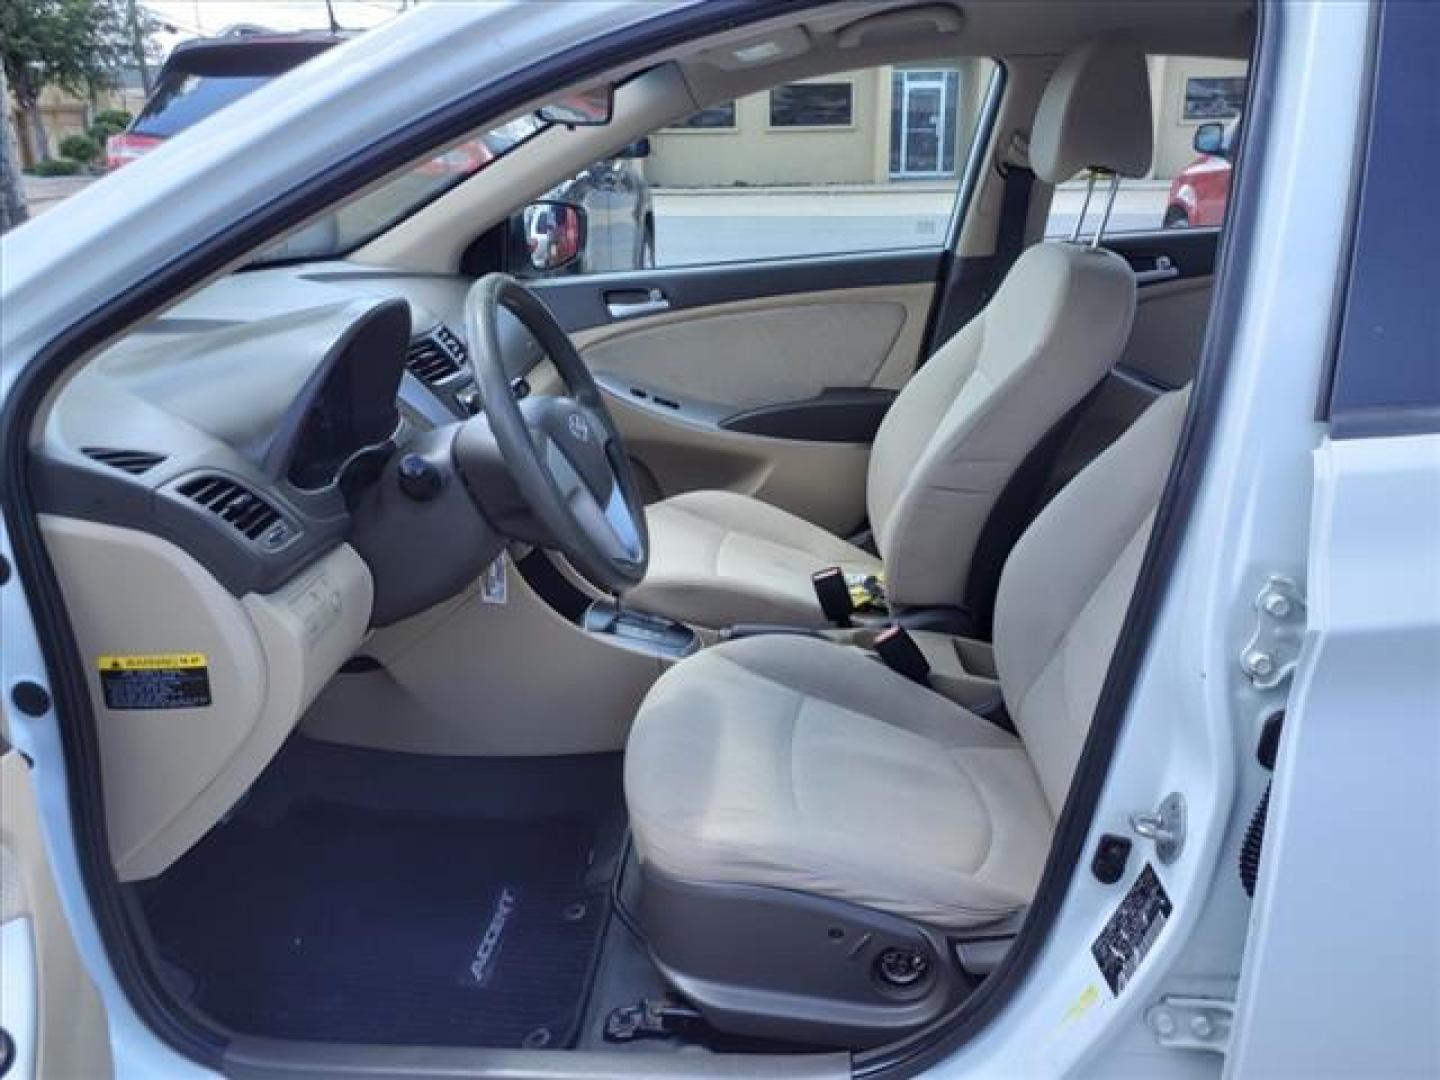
(906, 124)
(66, 114)
(858, 127)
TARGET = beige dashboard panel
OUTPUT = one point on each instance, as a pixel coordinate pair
(471, 677)
(171, 773)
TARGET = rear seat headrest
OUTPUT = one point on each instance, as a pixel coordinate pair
(1095, 113)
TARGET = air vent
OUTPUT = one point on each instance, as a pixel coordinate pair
(133, 462)
(452, 342)
(437, 356)
(235, 503)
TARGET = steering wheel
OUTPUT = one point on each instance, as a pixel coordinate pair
(563, 452)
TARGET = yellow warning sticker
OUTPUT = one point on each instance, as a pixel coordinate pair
(153, 662)
(155, 681)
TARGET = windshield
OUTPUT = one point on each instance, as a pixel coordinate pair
(371, 214)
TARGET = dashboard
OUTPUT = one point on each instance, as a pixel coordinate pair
(242, 423)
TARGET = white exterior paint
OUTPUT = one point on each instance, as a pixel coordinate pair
(1193, 720)
(1342, 973)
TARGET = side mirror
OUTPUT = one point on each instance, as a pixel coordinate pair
(553, 234)
(1210, 139)
(636, 150)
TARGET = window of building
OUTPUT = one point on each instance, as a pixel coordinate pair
(813, 105)
(714, 118)
(1198, 108)
(1211, 98)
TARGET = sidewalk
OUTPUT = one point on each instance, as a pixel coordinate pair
(43, 192)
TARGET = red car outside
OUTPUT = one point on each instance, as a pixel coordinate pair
(205, 75)
(1200, 191)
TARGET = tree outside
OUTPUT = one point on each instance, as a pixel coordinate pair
(76, 45)
(13, 211)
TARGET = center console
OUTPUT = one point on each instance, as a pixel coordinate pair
(641, 631)
(960, 667)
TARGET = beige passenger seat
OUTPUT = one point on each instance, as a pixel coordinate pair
(963, 424)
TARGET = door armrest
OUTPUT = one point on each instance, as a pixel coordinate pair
(837, 414)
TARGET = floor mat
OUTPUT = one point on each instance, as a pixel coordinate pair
(340, 922)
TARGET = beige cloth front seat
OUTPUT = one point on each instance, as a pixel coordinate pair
(802, 765)
(965, 421)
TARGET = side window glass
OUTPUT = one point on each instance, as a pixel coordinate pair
(857, 161)
(1198, 106)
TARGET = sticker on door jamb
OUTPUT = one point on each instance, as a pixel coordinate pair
(1131, 932)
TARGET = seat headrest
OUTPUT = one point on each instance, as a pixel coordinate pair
(1095, 113)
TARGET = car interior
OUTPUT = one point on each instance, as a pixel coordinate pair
(481, 662)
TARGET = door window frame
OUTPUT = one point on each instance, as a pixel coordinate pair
(1379, 383)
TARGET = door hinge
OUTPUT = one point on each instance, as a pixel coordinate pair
(1192, 1023)
(1270, 656)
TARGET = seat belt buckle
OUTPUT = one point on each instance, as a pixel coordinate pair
(898, 651)
(833, 592)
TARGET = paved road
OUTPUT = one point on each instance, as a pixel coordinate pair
(681, 239)
(695, 227)
(44, 192)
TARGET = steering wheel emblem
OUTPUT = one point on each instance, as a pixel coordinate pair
(578, 427)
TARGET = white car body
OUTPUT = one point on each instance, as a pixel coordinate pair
(1334, 970)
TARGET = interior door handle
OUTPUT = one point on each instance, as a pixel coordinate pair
(633, 303)
(1163, 270)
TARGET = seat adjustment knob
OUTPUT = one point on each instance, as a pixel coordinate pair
(902, 968)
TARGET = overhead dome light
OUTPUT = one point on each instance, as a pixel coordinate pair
(779, 44)
(759, 52)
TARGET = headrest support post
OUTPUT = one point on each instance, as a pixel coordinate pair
(1105, 215)
(1084, 206)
